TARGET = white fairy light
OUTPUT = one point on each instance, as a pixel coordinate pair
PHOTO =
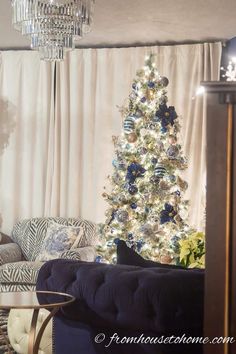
(230, 72)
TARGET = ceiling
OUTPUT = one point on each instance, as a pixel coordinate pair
(143, 22)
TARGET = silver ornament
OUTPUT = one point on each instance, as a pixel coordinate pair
(122, 216)
(146, 229)
(163, 81)
(172, 151)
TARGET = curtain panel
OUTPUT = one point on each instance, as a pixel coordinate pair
(60, 146)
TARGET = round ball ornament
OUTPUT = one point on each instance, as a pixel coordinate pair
(172, 178)
(160, 171)
(143, 99)
(122, 216)
(146, 229)
(154, 160)
(172, 152)
(128, 124)
(133, 206)
(138, 114)
(172, 139)
(142, 151)
(132, 189)
(166, 259)
(163, 185)
(154, 179)
(132, 137)
(160, 146)
(163, 81)
(151, 84)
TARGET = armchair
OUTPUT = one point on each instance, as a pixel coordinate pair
(18, 260)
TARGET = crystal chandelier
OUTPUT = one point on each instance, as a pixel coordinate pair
(53, 25)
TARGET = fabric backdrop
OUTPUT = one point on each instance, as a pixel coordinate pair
(60, 137)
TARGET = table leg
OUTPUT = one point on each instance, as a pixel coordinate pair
(33, 331)
(41, 330)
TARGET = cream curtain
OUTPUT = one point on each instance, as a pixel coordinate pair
(26, 114)
(56, 162)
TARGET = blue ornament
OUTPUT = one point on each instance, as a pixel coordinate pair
(154, 160)
(138, 113)
(139, 245)
(166, 115)
(172, 178)
(172, 152)
(129, 124)
(175, 240)
(151, 84)
(147, 210)
(160, 171)
(168, 214)
(133, 206)
(116, 241)
(130, 236)
(143, 99)
(134, 171)
(132, 189)
(98, 259)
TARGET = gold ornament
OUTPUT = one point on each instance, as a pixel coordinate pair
(115, 139)
(163, 185)
(172, 139)
(132, 137)
(166, 259)
(149, 94)
(182, 184)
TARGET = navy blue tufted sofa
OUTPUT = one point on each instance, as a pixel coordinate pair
(124, 301)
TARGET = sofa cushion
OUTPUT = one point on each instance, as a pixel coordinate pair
(126, 255)
(59, 238)
(10, 252)
(4, 239)
(30, 233)
(20, 272)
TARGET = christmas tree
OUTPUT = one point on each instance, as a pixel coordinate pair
(147, 208)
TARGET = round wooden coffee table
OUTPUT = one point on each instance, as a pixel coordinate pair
(35, 300)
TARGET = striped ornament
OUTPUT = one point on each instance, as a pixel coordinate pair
(160, 171)
(129, 124)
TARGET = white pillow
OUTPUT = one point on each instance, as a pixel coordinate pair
(59, 238)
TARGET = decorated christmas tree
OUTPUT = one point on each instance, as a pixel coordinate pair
(147, 208)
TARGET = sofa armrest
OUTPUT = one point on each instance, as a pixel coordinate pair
(9, 253)
(80, 254)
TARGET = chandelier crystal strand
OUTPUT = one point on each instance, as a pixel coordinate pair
(53, 25)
